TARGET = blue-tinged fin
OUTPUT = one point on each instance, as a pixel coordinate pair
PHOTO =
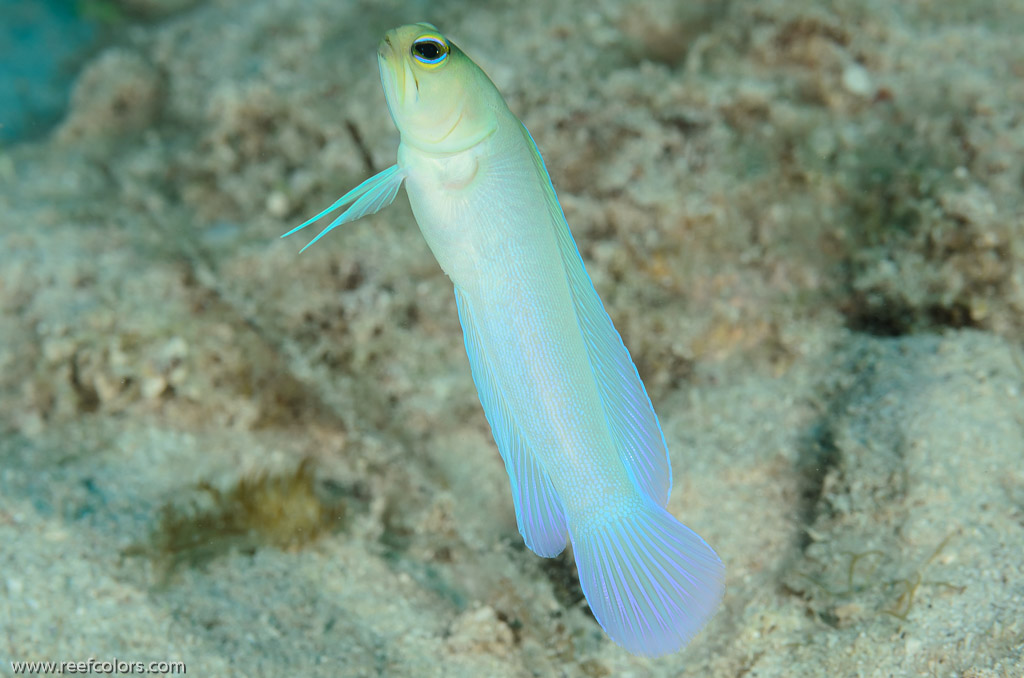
(650, 581)
(634, 426)
(371, 196)
(539, 511)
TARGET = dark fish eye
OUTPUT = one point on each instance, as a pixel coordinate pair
(430, 51)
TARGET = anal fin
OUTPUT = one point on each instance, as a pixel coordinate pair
(539, 511)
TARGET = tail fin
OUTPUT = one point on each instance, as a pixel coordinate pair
(651, 581)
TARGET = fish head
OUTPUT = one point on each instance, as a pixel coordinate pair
(440, 100)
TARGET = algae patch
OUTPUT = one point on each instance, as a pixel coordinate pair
(282, 510)
(869, 586)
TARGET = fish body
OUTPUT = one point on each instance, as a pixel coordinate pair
(581, 443)
(510, 277)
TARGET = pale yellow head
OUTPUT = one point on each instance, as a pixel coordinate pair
(440, 100)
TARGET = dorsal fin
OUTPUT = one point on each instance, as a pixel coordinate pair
(634, 426)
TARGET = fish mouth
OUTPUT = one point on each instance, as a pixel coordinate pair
(389, 66)
(389, 82)
(385, 47)
(396, 74)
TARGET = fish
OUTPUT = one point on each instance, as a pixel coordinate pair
(585, 455)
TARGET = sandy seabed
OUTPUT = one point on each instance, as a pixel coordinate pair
(805, 219)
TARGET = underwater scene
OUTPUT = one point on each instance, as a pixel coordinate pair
(669, 338)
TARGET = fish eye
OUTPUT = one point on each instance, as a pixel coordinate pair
(429, 50)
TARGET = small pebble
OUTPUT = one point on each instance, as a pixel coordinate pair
(857, 81)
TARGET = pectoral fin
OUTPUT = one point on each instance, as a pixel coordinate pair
(371, 196)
